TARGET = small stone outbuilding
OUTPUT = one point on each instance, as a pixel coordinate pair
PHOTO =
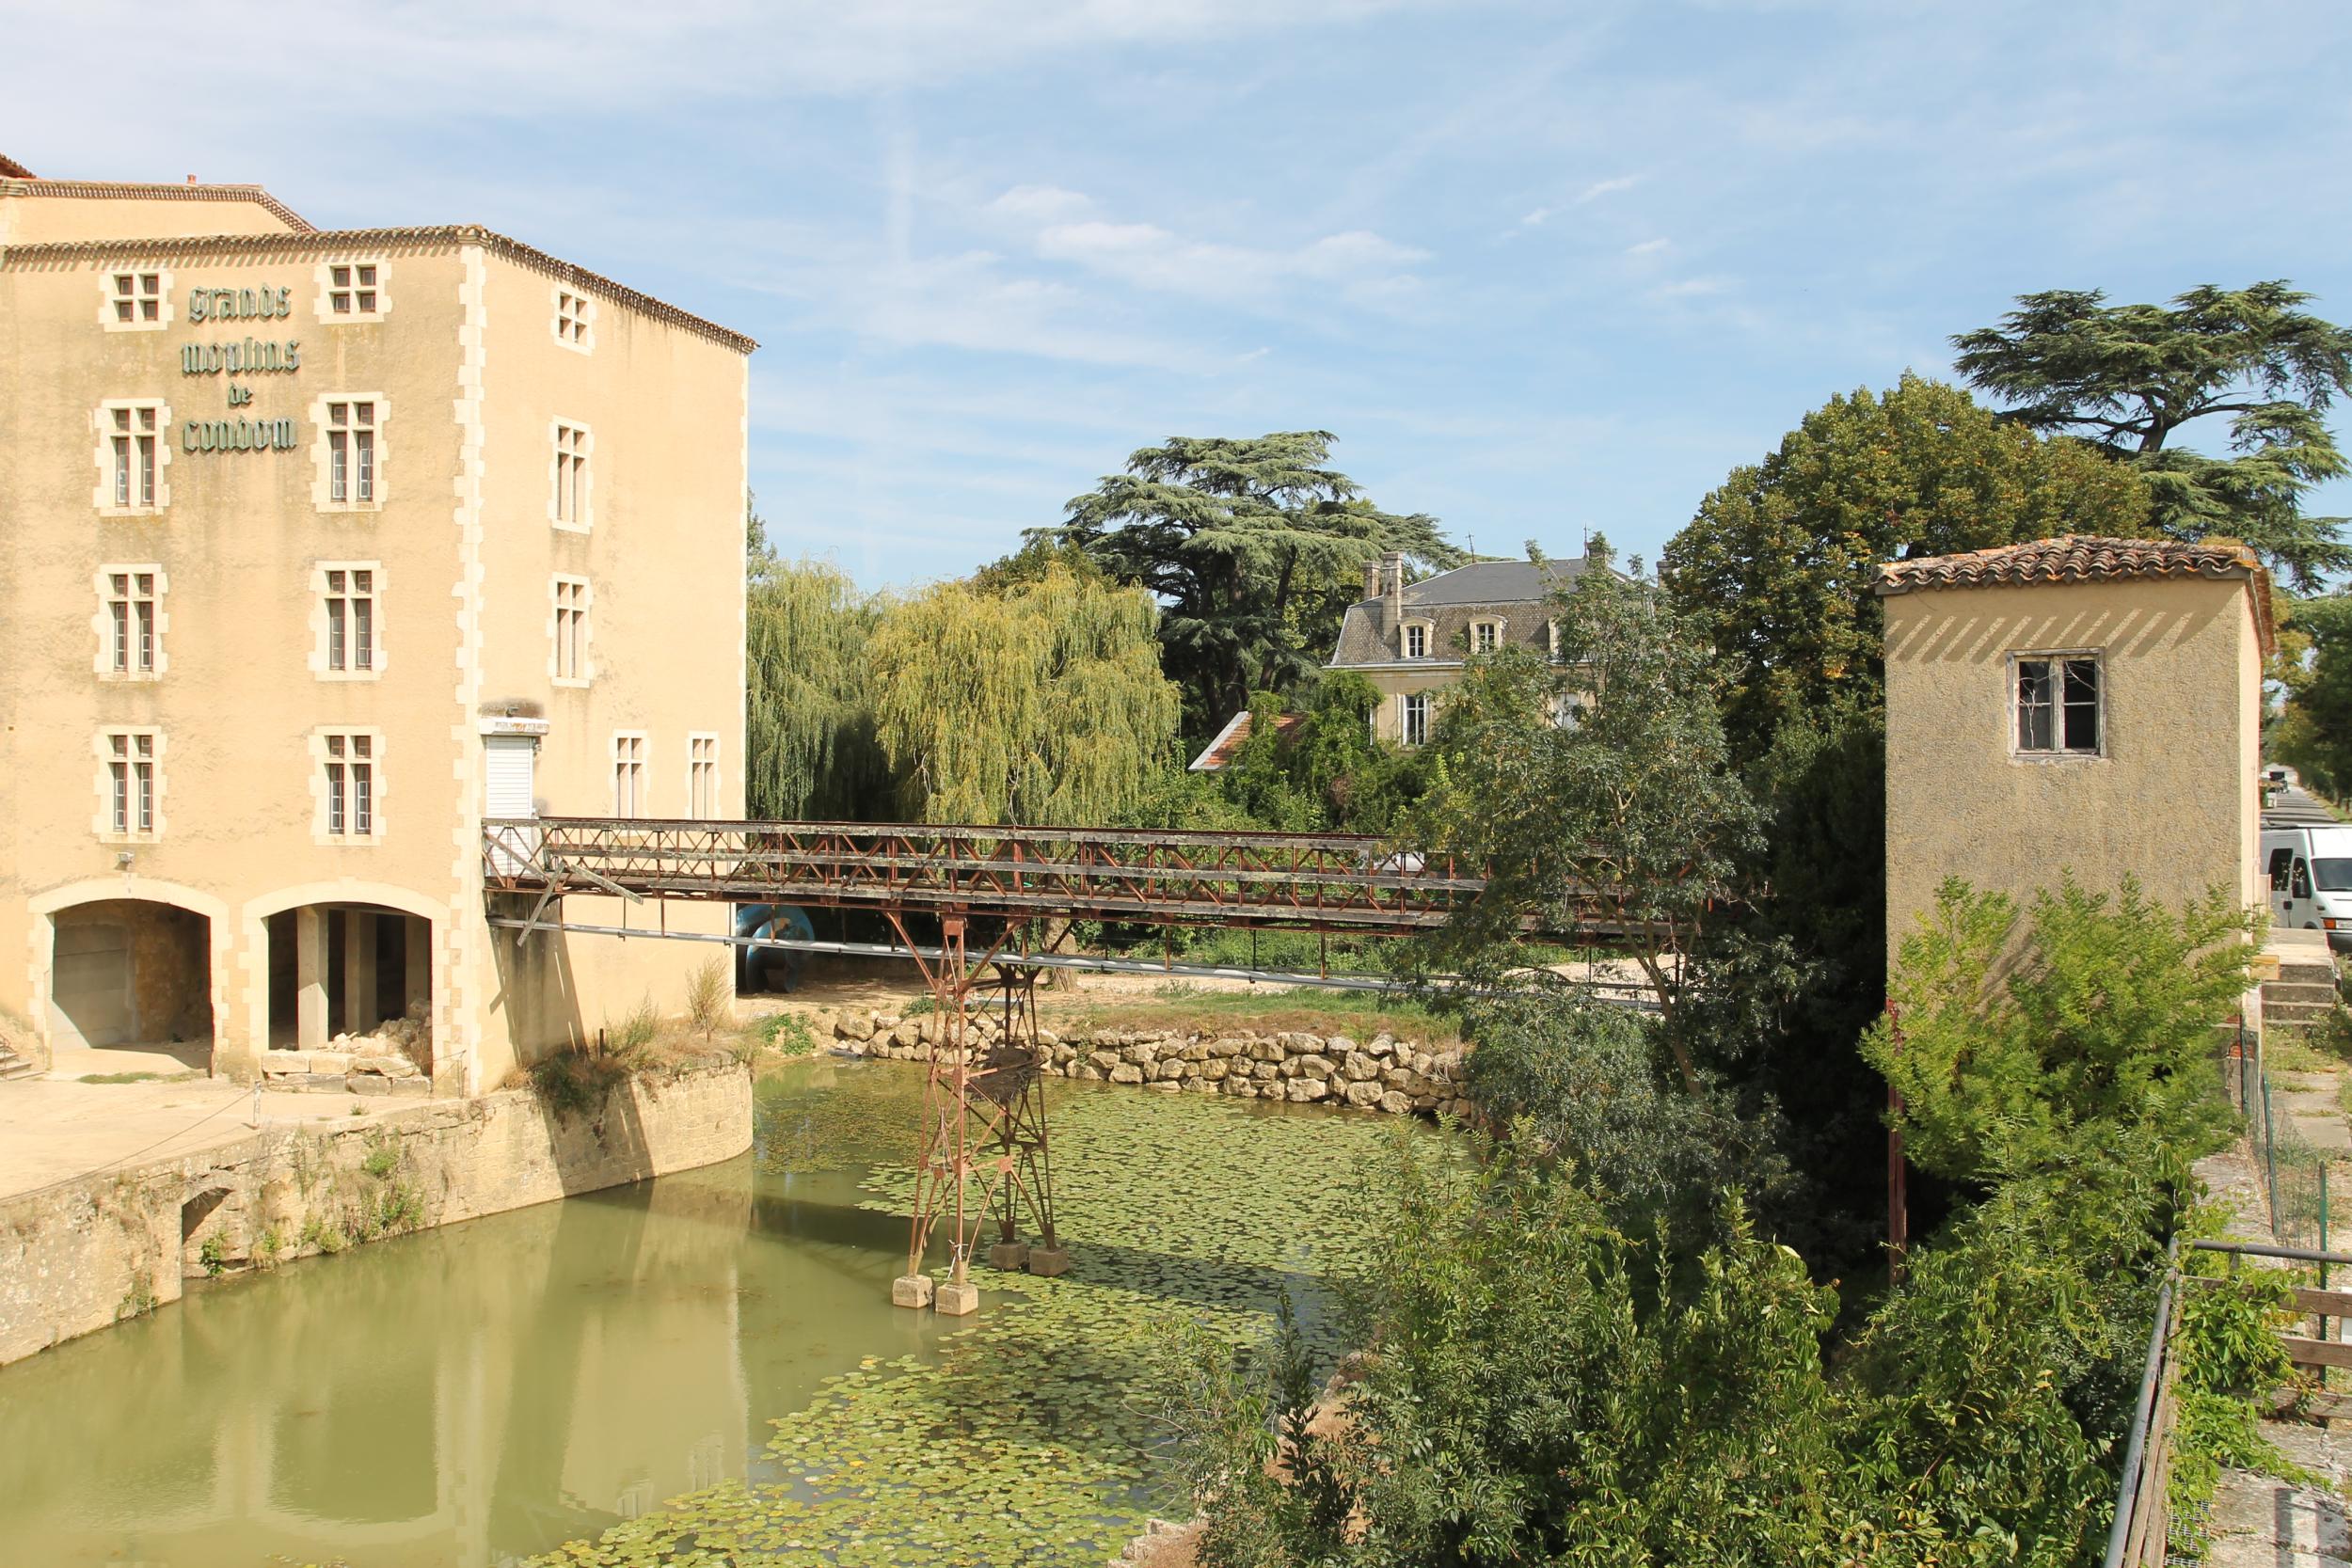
(2082, 704)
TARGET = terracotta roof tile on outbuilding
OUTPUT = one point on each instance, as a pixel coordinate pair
(1230, 740)
(2086, 558)
(11, 170)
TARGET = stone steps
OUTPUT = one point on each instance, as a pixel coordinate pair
(2304, 991)
(15, 1066)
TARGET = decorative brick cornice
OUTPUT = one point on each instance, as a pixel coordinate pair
(318, 242)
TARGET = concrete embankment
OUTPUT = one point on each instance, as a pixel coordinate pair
(78, 1254)
(1382, 1073)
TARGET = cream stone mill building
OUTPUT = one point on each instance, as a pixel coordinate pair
(322, 547)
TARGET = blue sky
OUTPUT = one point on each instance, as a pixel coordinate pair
(1542, 268)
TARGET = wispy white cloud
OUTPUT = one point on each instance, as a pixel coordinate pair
(1362, 266)
(1514, 257)
(1599, 188)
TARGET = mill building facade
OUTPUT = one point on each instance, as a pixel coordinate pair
(325, 547)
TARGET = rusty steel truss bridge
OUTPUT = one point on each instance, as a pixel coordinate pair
(1003, 901)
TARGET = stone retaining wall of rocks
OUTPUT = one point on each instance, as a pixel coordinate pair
(1383, 1073)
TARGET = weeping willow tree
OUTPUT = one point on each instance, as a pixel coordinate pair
(1038, 704)
(812, 746)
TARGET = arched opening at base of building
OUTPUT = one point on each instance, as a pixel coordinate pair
(350, 972)
(131, 973)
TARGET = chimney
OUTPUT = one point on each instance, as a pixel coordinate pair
(1371, 580)
(1392, 573)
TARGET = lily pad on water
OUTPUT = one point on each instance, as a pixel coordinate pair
(1027, 1439)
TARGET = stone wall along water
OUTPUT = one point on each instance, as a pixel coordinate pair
(78, 1256)
(1382, 1073)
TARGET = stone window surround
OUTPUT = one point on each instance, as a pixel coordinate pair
(2017, 754)
(103, 455)
(1405, 700)
(1428, 637)
(643, 759)
(378, 787)
(1500, 626)
(101, 751)
(583, 507)
(582, 311)
(586, 674)
(323, 461)
(323, 308)
(378, 653)
(102, 622)
(717, 756)
(111, 320)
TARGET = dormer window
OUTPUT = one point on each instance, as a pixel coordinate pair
(1486, 636)
(1417, 642)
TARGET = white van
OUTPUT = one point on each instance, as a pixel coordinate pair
(2311, 879)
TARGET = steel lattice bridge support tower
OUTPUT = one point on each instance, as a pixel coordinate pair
(983, 1156)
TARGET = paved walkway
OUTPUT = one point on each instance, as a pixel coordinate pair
(56, 1128)
(2259, 1521)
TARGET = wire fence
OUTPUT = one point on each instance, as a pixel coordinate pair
(2293, 1176)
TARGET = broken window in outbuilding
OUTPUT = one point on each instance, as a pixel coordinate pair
(2058, 706)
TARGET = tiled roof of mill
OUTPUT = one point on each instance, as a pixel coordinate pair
(2086, 558)
(122, 189)
(354, 239)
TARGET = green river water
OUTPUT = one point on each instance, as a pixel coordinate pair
(699, 1369)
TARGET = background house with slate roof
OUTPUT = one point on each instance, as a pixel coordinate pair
(1412, 640)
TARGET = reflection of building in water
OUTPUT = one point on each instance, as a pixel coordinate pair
(461, 1397)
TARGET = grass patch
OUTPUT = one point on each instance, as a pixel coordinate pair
(787, 1033)
(575, 1080)
(710, 998)
(2292, 1050)
(1308, 1008)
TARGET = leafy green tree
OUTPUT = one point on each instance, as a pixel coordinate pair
(2313, 734)
(1531, 1386)
(2129, 377)
(2011, 1047)
(1325, 771)
(1631, 814)
(811, 749)
(1792, 973)
(1779, 566)
(1984, 1403)
(1593, 1082)
(1524, 1396)
(1253, 548)
(1042, 704)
